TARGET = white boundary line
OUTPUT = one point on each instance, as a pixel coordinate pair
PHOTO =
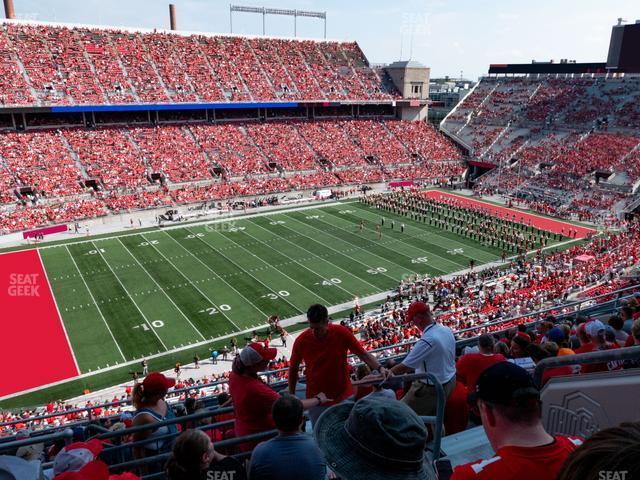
(95, 303)
(229, 219)
(188, 279)
(271, 267)
(298, 262)
(130, 297)
(331, 264)
(64, 329)
(161, 289)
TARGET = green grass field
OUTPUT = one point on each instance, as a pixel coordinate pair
(171, 293)
(135, 295)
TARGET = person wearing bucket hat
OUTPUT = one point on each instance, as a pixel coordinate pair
(149, 400)
(511, 413)
(252, 398)
(14, 468)
(373, 439)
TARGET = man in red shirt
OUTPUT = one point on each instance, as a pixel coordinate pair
(511, 413)
(471, 365)
(323, 348)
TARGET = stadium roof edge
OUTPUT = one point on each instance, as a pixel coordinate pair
(185, 33)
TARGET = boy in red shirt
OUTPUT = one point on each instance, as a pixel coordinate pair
(323, 348)
(471, 365)
(511, 413)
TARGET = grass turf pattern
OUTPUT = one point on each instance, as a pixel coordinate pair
(130, 296)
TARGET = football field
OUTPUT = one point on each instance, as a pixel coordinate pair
(136, 294)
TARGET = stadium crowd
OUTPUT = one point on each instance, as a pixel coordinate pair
(153, 67)
(553, 137)
(87, 173)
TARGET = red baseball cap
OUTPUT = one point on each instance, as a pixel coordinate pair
(157, 382)
(255, 353)
(75, 456)
(96, 470)
(417, 308)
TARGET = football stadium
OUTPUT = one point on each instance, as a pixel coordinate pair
(220, 252)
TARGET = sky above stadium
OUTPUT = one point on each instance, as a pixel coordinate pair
(452, 37)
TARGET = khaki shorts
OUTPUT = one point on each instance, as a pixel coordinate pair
(423, 398)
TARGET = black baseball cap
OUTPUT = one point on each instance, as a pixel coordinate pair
(505, 383)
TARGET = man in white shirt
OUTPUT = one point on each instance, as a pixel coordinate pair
(434, 353)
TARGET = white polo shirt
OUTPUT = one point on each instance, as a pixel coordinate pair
(434, 353)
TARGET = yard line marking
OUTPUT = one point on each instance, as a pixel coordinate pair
(280, 271)
(189, 280)
(95, 303)
(317, 256)
(364, 249)
(450, 240)
(429, 252)
(385, 247)
(161, 289)
(212, 271)
(55, 302)
(130, 297)
(212, 248)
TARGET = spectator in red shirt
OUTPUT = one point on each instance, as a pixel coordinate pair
(511, 413)
(471, 365)
(252, 398)
(323, 348)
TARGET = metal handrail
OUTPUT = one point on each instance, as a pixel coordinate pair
(66, 435)
(172, 421)
(437, 421)
(221, 444)
(102, 406)
(531, 315)
(613, 355)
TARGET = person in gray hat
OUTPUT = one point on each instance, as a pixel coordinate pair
(373, 439)
(14, 468)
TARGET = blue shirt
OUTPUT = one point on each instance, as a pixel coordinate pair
(272, 460)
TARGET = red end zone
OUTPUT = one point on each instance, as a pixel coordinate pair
(538, 221)
(34, 350)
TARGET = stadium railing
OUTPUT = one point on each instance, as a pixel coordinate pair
(578, 307)
(66, 435)
(117, 449)
(436, 421)
(604, 356)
